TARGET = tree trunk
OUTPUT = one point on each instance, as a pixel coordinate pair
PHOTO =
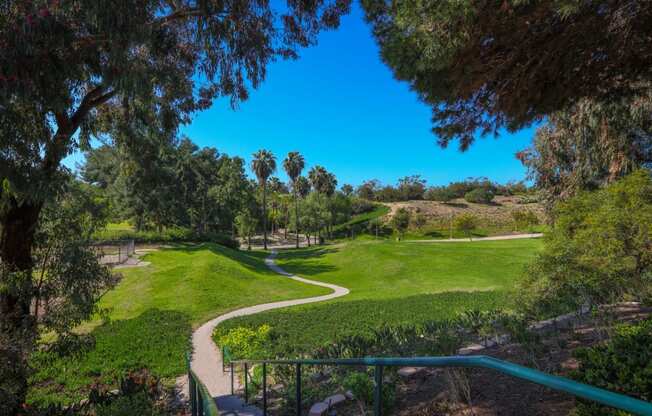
(264, 216)
(17, 325)
(296, 215)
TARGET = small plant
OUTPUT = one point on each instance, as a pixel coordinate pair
(524, 219)
(623, 365)
(400, 221)
(479, 196)
(466, 223)
(245, 343)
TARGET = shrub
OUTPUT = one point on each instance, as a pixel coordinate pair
(400, 221)
(440, 193)
(361, 206)
(466, 223)
(599, 251)
(623, 365)
(243, 342)
(480, 196)
(169, 235)
(524, 219)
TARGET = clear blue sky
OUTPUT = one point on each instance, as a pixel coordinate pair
(340, 106)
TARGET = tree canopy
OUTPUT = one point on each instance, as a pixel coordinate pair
(491, 64)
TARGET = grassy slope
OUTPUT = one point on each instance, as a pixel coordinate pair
(392, 283)
(152, 313)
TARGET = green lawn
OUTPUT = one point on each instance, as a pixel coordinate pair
(152, 313)
(391, 283)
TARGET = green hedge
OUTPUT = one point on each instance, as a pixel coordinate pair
(622, 365)
(169, 235)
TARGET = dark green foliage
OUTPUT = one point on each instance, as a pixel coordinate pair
(400, 221)
(487, 65)
(171, 184)
(589, 146)
(128, 73)
(411, 187)
(479, 196)
(466, 223)
(440, 193)
(294, 331)
(168, 235)
(599, 251)
(147, 341)
(623, 365)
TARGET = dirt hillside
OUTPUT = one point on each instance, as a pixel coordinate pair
(499, 211)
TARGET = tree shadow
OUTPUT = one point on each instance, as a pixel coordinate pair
(156, 339)
(252, 260)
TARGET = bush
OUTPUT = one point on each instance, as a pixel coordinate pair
(440, 193)
(400, 221)
(243, 342)
(599, 251)
(479, 196)
(524, 219)
(361, 206)
(623, 365)
(169, 235)
(466, 223)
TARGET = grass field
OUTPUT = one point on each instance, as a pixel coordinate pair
(391, 283)
(152, 313)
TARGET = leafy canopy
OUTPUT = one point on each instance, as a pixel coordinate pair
(484, 65)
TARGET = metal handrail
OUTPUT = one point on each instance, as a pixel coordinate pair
(201, 402)
(585, 391)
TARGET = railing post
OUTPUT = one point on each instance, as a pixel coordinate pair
(246, 383)
(298, 381)
(232, 380)
(200, 401)
(378, 391)
(193, 394)
(264, 389)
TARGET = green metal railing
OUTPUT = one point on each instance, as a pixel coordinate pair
(575, 388)
(201, 402)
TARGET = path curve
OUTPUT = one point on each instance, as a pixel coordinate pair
(207, 358)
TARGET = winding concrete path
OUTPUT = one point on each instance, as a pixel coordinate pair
(207, 358)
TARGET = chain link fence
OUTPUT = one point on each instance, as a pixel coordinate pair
(114, 252)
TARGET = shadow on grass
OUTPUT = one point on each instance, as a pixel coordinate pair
(156, 340)
(252, 260)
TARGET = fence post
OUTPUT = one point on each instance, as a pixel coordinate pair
(193, 394)
(298, 381)
(232, 379)
(200, 401)
(378, 391)
(264, 389)
(246, 383)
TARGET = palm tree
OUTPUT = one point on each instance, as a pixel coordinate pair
(320, 181)
(263, 165)
(293, 165)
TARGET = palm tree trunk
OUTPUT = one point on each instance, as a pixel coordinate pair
(264, 216)
(296, 215)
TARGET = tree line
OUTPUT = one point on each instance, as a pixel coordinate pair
(415, 188)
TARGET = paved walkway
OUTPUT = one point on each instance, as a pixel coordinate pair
(495, 238)
(207, 358)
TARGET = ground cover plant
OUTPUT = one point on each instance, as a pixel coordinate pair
(151, 313)
(391, 284)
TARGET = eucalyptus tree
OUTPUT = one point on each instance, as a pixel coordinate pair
(73, 70)
(487, 65)
(589, 146)
(294, 164)
(263, 165)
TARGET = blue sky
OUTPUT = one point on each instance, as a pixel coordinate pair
(339, 105)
